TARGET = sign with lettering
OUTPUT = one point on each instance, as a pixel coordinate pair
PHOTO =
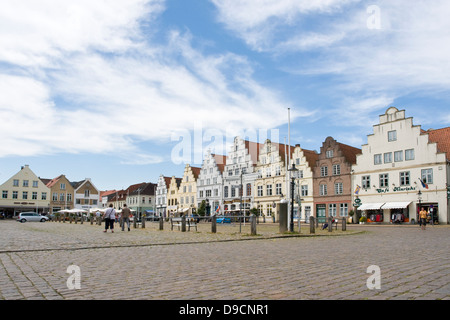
(396, 189)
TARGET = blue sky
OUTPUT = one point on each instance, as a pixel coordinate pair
(112, 90)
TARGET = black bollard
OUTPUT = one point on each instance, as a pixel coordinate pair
(183, 223)
(214, 224)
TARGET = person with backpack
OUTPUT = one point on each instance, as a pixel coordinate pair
(110, 217)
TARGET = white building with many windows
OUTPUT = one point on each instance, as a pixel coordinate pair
(161, 195)
(24, 192)
(210, 182)
(304, 161)
(402, 168)
(240, 175)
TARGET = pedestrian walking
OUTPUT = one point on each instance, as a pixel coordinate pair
(110, 217)
(126, 213)
(423, 218)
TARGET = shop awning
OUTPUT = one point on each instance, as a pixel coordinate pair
(396, 205)
(370, 206)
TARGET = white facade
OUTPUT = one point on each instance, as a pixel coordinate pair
(240, 171)
(24, 192)
(304, 161)
(87, 195)
(210, 182)
(388, 172)
(161, 195)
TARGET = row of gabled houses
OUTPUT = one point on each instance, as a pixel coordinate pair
(25, 191)
(401, 169)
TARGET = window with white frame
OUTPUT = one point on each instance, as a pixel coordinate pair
(409, 154)
(332, 209)
(384, 180)
(392, 135)
(336, 169)
(269, 190)
(427, 175)
(304, 190)
(323, 171)
(338, 188)
(260, 191)
(323, 190)
(278, 189)
(343, 209)
(388, 157)
(329, 154)
(377, 159)
(404, 178)
(365, 181)
(398, 156)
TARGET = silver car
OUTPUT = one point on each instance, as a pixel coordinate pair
(31, 216)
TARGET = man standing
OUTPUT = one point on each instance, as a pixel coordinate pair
(110, 217)
(126, 212)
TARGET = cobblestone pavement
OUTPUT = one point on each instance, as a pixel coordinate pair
(151, 264)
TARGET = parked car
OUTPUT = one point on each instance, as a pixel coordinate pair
(31, 216)
(223, 220)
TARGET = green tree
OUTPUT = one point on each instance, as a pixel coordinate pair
(202, 209)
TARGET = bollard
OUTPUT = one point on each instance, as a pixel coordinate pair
(253, 225)
(76, 219)
(161, 223)
(214, 224)
(64, 220)
(344, 224)
(183, 223)
(330, 224)
(135, 222)
(92, 219)
(143, 222)
(312, 225)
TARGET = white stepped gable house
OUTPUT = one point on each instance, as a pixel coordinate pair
(161, 195)
(402, 169)
(210, 182)
(240, 175)
(304, 161)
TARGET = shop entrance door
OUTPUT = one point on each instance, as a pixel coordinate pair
(321, 213)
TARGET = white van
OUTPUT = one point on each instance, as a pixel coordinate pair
(31, 216)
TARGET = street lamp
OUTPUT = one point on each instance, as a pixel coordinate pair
(419, 194)
(291, 222)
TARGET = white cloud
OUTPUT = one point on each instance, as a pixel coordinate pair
(408, 54)
(85, 78)
(261, 24)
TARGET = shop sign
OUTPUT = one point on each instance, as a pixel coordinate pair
(396, 189)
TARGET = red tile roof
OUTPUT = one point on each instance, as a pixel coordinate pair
(442, 138)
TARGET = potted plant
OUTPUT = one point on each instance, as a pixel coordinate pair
(363, 220)
(351, 213)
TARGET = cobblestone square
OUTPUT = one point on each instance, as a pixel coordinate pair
(149, 264)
